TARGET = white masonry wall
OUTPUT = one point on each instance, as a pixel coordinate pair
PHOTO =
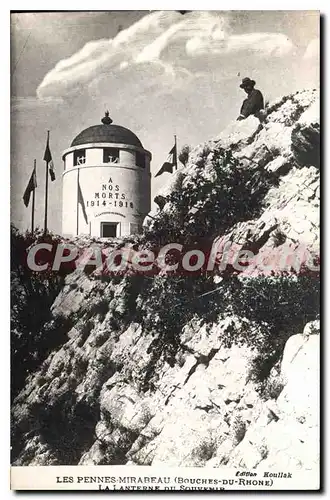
(111, 192)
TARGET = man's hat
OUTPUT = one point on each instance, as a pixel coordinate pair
(246, 82)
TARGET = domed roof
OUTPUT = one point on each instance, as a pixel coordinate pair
(107, 133)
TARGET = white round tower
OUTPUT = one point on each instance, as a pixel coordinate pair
(106, 182)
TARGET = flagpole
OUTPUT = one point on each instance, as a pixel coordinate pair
(78, 199)
(46, 191)
(176, 154)
(33, 198)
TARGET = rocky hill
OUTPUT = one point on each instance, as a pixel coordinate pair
(207, 369)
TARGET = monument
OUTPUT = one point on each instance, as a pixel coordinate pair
(106, 182)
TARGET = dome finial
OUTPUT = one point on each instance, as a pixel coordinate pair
(106, 120)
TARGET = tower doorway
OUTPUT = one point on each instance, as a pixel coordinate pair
(109, 229)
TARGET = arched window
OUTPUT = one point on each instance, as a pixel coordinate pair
(79, 156)
(110, 155)
(140, 160)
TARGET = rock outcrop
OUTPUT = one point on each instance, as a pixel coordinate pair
(137, 383)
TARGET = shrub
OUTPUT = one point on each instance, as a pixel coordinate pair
(84, 331)
(263, 450)
(184, 154)
(274, 308)
(227, 195)
(204, 450)
(34, 332)
(281, 305)
(280, 302)
(238, 429)
(32, 343)
(272, 387)
(279, 237)
(66, 425)
(176, 300)
(80, 367)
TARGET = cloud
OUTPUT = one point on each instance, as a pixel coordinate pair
(105, 56)
(170, 46)
(259, 44)
(312, 50)
(174, 39)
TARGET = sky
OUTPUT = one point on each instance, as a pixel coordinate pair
(159, 73)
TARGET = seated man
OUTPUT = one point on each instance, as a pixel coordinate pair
(254, 101)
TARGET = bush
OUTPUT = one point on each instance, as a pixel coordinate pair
(238, 429)
(66, 425)
(32, 344)
(274, 308)
(184, 154)
(280, 302)
(34, 332)
(281, 305)
(227, 195)
(272, 387)
(204, 451)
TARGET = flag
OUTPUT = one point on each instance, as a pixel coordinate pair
(170, 162)
(32, 184)
(49, 160)
(82, 203)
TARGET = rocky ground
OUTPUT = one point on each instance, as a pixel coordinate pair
(111, 393)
